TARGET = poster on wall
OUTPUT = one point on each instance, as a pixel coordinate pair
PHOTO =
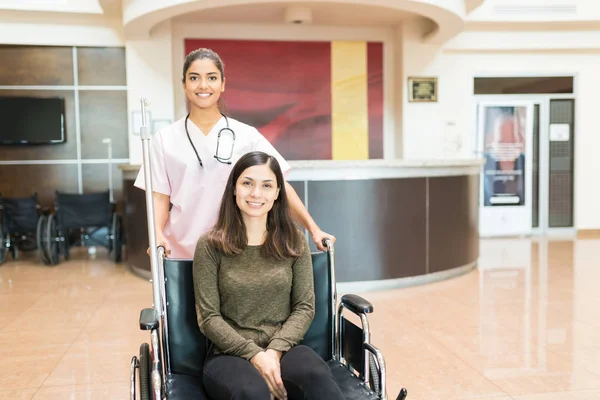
(504, 175)
(313, 100)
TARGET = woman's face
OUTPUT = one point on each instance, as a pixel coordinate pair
(203, 84)
(256, 190)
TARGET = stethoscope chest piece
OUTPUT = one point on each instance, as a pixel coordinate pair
(228, 136)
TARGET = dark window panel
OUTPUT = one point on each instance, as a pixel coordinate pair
(524, 85)
(99, 66)
(36, 65)
(103, 114)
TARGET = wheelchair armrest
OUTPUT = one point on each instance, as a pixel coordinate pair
(148, 319)
(357, 304)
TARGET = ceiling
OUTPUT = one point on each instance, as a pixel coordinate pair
(112, 8)
(322, 14)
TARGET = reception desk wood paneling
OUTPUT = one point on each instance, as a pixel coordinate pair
(397, 223)
(367, 217)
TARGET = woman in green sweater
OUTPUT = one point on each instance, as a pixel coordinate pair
(253, 284)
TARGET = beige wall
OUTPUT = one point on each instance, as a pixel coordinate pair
(414, 131)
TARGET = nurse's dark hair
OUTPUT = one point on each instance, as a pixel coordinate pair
(283, 240)
(201, 54)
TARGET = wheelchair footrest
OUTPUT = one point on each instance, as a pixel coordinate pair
(352, 388)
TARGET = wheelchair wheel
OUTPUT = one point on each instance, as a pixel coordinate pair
(3, 244)
(14, 251)
(144, 372)
(41, 239)
(53, 244)
(65, 244)
(116, 239)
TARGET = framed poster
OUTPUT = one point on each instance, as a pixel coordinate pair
(504, 153)
(504, 135)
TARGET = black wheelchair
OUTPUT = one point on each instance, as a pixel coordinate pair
(88, 219)
(170, 366)
(20, 219)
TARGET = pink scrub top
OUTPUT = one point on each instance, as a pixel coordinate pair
(195, 192)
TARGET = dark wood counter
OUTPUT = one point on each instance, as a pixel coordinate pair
(396, 223)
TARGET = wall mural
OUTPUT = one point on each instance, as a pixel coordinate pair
(311, 100)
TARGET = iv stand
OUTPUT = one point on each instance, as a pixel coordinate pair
(145, 136)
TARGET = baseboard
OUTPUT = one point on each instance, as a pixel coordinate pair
(588, 234)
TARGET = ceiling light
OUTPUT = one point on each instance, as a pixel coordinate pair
(298, 15)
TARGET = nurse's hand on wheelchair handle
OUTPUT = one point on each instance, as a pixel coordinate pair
(161, 241)
(270, 370)
(319, 238)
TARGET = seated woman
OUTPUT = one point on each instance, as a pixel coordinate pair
(253, 283)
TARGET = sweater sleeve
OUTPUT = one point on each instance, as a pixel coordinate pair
(208, 305)
(303, 305)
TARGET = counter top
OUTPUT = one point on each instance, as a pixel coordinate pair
(322, 170)
(129, 167)
(394, 163)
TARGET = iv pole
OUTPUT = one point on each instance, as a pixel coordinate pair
(145, 136)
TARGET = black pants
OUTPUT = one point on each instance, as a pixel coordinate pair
(305, 376)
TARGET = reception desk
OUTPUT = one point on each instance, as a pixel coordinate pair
(397, 223)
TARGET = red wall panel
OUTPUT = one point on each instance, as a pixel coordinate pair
(283, 88)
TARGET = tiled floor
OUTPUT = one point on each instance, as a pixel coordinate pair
(523, 326)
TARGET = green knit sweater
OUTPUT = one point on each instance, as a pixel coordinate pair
(248, 303)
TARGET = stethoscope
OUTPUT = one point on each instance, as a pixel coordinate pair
(224, 160)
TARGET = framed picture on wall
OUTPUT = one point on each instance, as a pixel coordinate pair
(136, 121)
(158, 124)
(422, 89)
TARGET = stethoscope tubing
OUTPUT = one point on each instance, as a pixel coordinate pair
(227, 128)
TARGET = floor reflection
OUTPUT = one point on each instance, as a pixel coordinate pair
(522, 326)
(528, 299)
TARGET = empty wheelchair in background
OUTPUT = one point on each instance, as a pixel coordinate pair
(20, 219)
(87, 219)
(170, 366)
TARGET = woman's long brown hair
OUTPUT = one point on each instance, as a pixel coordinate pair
(229, 235)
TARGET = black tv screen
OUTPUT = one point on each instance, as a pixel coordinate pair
(32, 120)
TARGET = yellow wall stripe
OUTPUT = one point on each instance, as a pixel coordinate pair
(349, 91)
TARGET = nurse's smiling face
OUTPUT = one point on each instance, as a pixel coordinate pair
(204, 83)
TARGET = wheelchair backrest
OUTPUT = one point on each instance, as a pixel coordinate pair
(20, 214)
(186, 344)
(83, 210)
(319, 336)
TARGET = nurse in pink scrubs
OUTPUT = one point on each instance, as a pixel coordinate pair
(192, 159)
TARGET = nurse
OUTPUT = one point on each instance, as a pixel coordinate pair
(192, 158)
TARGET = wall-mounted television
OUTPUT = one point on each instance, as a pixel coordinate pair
(32, 120)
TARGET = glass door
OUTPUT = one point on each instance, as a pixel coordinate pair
(551, 151)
